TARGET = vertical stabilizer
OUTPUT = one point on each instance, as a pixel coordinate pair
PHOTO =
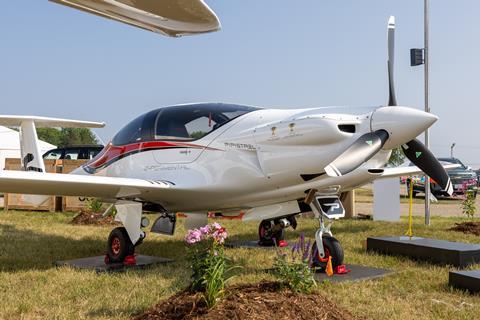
(31, 156)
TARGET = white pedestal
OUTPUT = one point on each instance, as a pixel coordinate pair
(386, 199)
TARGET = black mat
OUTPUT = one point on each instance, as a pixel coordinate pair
(357, 273)
(467, 280)
(98, 263)
(248, 244)
(442, 252)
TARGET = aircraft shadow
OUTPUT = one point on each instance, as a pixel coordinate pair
(31, 250)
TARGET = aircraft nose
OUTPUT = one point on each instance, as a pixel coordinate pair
(402, 123)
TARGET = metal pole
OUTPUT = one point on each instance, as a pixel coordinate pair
(427, 107)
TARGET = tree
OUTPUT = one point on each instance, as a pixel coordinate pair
(397, 157)
(67, 136)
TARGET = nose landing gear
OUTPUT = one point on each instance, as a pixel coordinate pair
(325, 245)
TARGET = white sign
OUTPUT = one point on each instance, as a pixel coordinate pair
(386, 199)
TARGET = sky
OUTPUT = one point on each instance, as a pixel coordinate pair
(59, 62)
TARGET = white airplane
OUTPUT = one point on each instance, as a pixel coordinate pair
(259, 164)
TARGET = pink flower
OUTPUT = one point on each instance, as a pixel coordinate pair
(205, 230)
(193, 236)
(214, 231)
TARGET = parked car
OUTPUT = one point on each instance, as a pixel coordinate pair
(86, 152)
(478, 177)
(463, 178)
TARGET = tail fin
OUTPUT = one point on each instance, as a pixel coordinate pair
(31, 156)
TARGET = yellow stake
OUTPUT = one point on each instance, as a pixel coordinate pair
(410, 210)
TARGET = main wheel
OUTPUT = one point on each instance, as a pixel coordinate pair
(119, 245)
(332, 249)
(267, 235)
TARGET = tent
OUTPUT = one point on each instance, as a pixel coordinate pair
(10, 145)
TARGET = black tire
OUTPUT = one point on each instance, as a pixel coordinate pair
(119, 245)
(332, 248)
(266, 236)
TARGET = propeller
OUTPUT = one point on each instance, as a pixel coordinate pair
(392, 99)
(365, 147)
(419, 155)
(359, 152)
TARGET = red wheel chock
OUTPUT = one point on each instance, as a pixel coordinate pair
(282, 244)
(341, 269)
(130, 260)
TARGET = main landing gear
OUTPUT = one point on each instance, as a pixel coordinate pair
(123, 240)
(272, 232)
(325, 247)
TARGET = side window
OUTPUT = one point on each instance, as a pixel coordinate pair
(200, 127)
(71, 154)
(53, 155)
(83, 154)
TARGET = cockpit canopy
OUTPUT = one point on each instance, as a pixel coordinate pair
(184, 122)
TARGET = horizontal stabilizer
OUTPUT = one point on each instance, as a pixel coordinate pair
(43, 122)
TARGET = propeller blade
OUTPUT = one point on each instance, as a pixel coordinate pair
(392, 99)
(426, 161)
(359, 152)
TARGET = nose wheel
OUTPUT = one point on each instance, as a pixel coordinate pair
(332, 249)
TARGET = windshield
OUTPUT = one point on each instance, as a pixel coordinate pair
(191, 122)
(184, 122)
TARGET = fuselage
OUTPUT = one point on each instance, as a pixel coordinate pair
(260, 157)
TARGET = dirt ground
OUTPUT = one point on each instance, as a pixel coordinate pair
(262, 301)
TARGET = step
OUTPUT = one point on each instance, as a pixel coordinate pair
(468, 280)
(442, 252)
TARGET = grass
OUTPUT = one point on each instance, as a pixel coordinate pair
(31, 288)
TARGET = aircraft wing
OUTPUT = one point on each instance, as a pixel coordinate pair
(170, 18)
(108, 188)
(409, 171)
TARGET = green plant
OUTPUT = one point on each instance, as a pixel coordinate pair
(295, 270)
(210, 266)
(94, 205)
(468, 204)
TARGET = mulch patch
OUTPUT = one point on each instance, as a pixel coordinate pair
(262, 301)
(469, 227)
(91, 218)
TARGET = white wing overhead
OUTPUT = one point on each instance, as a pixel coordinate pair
(169, 17)
(408, 171)
(16, 121)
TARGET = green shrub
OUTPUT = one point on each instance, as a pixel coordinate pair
(295, 270)
(468, 204)
(94, 205)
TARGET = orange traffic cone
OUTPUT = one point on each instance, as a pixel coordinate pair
(329, 269)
